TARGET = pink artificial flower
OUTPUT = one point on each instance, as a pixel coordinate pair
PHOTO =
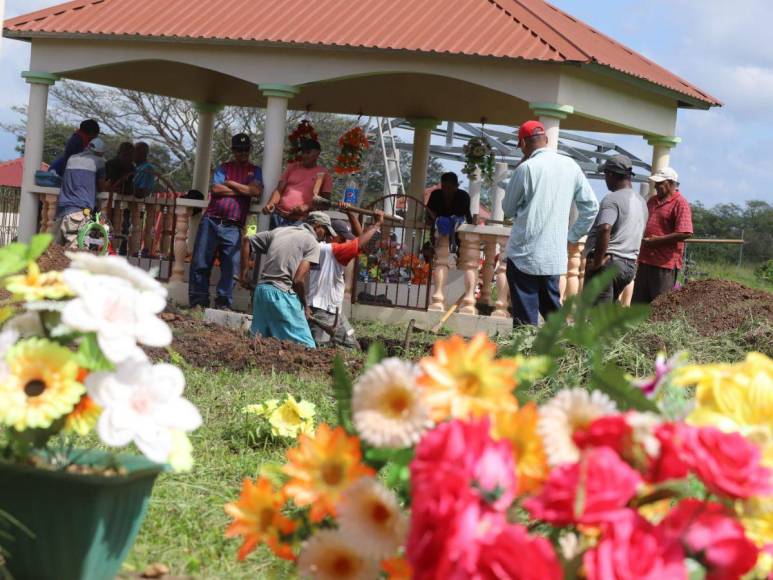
(514, 555)
(727, 463)
(663, 367)
(611, 431)
(668, 464)
(711, 536)
(590, 491)
(630, 547)
(462, 481)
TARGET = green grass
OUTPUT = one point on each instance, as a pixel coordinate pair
(185, 524)
(743, 274)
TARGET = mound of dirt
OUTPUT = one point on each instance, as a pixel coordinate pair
(714, 307)
(53, 259)
(207, 345)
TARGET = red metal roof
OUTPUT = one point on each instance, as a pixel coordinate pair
(11, 172)
(530, 30)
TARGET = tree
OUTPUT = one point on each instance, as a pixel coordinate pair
(753, 223)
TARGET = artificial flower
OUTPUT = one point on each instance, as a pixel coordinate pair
(709, 534)
(263, 409)
(464, 380)
(27, 324)
(756, 515)
(727, 463)
(120, 316)
(83, 418)
(321, 467)
(397, 569)
(591, 491)
(369, 515)
(462, 482)
(329, 555)
(387, 407)
(34, 286)
(668, 463)
(630, 547)
(258, 519)
(515, 555)
(181, 455)
(292, 417)
(567, 412)
(631, 435)
(8, 337)
(520, 429)
(119, 267)
(40, 384)
(143, 403)
(663, 368)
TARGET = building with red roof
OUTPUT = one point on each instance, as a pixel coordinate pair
(11, 172)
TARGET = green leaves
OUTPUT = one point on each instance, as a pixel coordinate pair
(376, 353)
(610, 379)
(342, 389)
(90, 356)
(16, 257)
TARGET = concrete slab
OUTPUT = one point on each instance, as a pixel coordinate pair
(228, 319)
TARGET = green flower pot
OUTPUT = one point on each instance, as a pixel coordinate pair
(78, 527)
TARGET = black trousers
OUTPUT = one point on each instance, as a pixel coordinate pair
(626, 270)
(651, 282)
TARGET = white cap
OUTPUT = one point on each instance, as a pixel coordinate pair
(665, 174)
(97, 146)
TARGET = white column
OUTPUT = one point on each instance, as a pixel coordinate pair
(661, 152)
(33, 149)
(551, 115)
(274, 134)
(422, 135)
(500, 171)
(202, 162)
(474, 191)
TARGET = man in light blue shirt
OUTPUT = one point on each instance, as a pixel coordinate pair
(539, 198)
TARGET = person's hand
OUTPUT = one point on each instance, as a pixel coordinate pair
(244, 280)
(343, 206)
(595, 265)
(648, 241)
(268, 208)
(307, 311)
(301, 209)
(379, 217)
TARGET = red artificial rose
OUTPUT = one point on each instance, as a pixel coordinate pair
(727, 463)
(590, 491)
(632, 548)
(514, 555)
(668, 464)
(608, 431)
(711, 536)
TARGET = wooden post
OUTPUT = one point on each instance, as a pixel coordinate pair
(182, 215)
(500, 277)
(470, 262)
(440, 273)
(487, 272)
(151, 210)
(49, 213)
(135, 227)
(166, 230)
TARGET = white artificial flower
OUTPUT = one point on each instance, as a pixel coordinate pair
(369, 516)
(120, 316)
(25, 325)
(8, 338)
(643, 425)
(142, 403)
(329, 555)
(118, 267)
(569, 410)
(387, 407)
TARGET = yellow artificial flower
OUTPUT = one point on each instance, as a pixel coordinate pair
(464, 380)
(520, 429)
(321, 468)
(181, 456)
(258, 518)
(34, 286)
(262, 409)
(83, 417)
(734, 397)
(292, 417)
(41, 384)
(756, 515)
(329, 555)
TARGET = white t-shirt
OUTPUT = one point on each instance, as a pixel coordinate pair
(326, 280)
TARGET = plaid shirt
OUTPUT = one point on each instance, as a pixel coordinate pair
(236, 207)
(670, 216)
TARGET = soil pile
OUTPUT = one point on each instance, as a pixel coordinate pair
(714, 306)
(207, 345)
(53, 259)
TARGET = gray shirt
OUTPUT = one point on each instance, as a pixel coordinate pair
(626, 211)
(79, 183)
(285, 249)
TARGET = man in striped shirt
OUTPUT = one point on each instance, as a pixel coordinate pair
(234, 185)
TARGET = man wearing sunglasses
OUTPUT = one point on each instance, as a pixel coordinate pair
(234, 186)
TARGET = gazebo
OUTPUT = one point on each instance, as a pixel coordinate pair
(421, 60)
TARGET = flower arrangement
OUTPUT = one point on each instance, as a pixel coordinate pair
(478, 155)
(390, 264)
(303, 132)
(353, 143)
(71, 361)
(442, 469)
(288, 419)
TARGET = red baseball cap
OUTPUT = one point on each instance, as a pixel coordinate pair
(530, 129)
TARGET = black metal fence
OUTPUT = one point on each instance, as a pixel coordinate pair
(9, 214)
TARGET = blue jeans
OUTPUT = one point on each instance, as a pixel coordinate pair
(215, 237)
(277, 221)
(279, 314)
(531, 295)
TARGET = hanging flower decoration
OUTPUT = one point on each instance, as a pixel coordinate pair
(303, 132)
(353, 143)
(478, 154)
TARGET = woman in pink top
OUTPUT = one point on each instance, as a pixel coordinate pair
(291, 200)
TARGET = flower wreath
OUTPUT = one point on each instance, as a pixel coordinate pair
(478, 154)
(303, 132)
(353, 143)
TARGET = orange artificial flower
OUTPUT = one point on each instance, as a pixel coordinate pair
(464, 380)
(258, 517)
(321, 468)
(520, 429)
(83, 418)
(397, 569)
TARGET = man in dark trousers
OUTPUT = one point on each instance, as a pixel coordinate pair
(615, 238)
(234, 185)
(662, 249)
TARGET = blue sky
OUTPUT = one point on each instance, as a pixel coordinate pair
(726, 48)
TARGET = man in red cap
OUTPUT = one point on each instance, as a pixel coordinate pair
(539, 198)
